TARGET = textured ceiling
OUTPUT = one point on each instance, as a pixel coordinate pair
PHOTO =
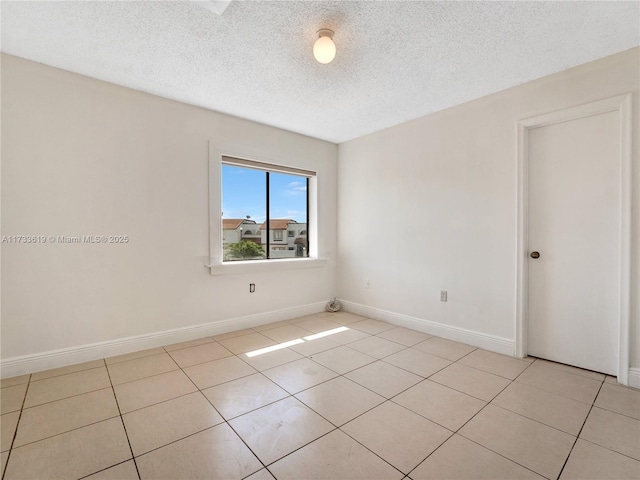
(396, 60)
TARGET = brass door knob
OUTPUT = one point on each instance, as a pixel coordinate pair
(535, 254)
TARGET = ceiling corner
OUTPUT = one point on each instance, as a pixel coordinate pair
(215, 6)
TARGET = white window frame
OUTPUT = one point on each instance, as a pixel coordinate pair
(217, 151)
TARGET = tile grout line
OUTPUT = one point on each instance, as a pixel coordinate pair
(455, 432)
(158, 403)
(137, 379)
(368, 449)
(581, 428)
(132, 359)
(550, 426)
(476, 414)
(122, 420)
(293, 395)
(409, 371)
(616, 413)
(499, 454)
(466, 393)
(491, 373)
(517, 413)
(385, 399)
(329, 432)
(343, 375)
(532, 419)
(113, 391)
(60, 400)
(544, 364)
(552, 392)
(64, 374)
(66, 398)
(15, 434)
(528, 418)
(198, 390)
(555, 394)
(416, 413)
(110, 387)
(224, 420)
(293, 451)
(107, 468)
(174, 441)
(607, 448)
(211, 340)
(68, 431)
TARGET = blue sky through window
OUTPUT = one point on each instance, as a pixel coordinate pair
(244, 193)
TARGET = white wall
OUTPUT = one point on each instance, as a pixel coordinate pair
(448, 182)
(81, 156)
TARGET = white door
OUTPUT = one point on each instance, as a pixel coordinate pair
(574, 224)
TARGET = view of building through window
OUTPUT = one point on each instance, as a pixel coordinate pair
(248, 233)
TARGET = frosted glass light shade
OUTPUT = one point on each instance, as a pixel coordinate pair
(324, 50)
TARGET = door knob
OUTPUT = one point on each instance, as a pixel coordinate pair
(535, 254)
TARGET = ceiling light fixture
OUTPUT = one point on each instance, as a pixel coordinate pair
(324, 49)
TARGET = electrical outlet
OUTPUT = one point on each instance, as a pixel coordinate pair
(252, 287)
(367, 284)
(443, 295)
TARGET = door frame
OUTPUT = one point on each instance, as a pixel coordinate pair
(621, 104)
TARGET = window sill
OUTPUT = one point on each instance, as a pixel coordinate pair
(257, 266)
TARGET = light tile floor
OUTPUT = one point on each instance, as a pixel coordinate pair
(375, 401)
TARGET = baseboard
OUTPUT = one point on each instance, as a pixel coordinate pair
(22, 365)
(15, 366)
(470, 337)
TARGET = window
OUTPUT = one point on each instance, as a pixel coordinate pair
(273, 197)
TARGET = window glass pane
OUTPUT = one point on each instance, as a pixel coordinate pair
(288, 216)
(244, 210)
